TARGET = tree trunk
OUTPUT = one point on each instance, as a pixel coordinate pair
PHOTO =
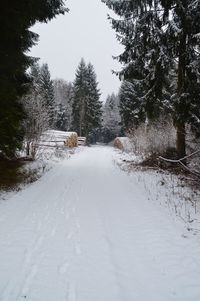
(180, 140)
(180, 123)
(28, 149)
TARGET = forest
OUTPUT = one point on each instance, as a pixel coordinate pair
(99, 192)
(159, 80)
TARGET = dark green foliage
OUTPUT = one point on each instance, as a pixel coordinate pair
(131, 106)
(183, 38)
(79, 99)
(161, 42)
(86, 111)
(11, 131)
(145, 57)
(93, 105)
(47, 92)
(61, 119)
(63, 94)
(16, 18)
(101, 135)
(111, 114)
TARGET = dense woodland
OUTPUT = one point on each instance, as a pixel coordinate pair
(160, 80)
(16, 39)
(160, 63)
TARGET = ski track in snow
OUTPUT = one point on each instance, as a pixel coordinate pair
(86, 231)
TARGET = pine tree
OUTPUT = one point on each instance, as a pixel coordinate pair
(132, 110)
(86, 105)
(80, 98)
(111, 115)
(16, 18)
(47, 92)
(61, 119)
(145, 56)
(183, 38)
(93, 112)
(63, 93)
(161, 38)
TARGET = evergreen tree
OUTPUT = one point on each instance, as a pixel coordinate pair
(47, 92)
(79, 99)
(86, 110)
(16, 18)
(42, 86)
(111, 115)
(63, 93)
(161, 38)
(183, 38)
(145, 55)
(131, 107)
(61, 119)
(93, 112)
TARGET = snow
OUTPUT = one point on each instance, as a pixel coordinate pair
(52, 147)
(55, 138)
(89, 231)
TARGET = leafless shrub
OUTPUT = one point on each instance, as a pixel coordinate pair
(37, 121)
(153, 138)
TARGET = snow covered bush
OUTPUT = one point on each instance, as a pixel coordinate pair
(123, 143)
(153, 138)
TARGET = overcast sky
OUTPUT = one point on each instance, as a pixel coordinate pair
(83, 32)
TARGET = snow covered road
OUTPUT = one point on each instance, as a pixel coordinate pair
(86, 231)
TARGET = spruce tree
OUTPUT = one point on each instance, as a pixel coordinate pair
(132, 110)
(160, 39)
(93, 112)
(61, 119)
(145, 57)
(63, 93)
(183, 38)
(16, 19)
(111, 114)
(47, 92)
(86, 110)
(79, 99)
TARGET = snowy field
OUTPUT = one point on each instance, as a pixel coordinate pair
(88, 231)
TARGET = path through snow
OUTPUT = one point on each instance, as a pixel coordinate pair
(86, 231)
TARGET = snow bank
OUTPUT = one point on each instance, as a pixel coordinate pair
(166, 190)
(66, 238)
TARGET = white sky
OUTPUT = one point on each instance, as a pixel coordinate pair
(83, 32)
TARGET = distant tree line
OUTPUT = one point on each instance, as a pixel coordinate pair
(66, 106)
(31, 102)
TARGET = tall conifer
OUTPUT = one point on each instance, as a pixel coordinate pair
(86, 104)
(161, 45)
(16, 18)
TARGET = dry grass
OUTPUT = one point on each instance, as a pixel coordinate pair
(154, 138)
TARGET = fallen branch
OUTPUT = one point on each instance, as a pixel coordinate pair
(180, 161)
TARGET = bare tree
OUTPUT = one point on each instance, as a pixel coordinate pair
(37, 121)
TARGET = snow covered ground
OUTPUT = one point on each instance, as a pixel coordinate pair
(87, 231)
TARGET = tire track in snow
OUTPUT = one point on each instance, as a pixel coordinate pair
(90, 233)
